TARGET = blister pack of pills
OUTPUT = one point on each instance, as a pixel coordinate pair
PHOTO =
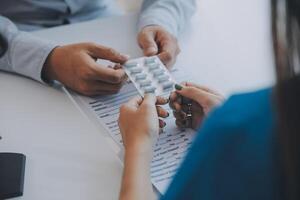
(149, 75)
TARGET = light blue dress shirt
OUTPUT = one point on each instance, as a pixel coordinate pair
(26, 54)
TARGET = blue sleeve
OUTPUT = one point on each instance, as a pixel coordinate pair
(26, 54)
(171, 14)
(230, 158)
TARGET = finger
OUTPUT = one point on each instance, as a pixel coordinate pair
(150, 99)
(106, 74)
(147, 42)
(135, 102)
(162, 112)
(201, 87)
(168, 51)
(103, 86)
(107, 53)
(162, 123)
(212, 93)
(180, 123)
(174, 97)
(177, 106)
(202, 97)
(117, 66)
(180, 115)
(161, 100)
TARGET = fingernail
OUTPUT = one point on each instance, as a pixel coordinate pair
(178, 87)
(125, 56)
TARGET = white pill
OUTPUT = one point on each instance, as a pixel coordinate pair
(140, 77)
(163, 78)
(131, 64)
(145, 83)
(158, 72)
(150, 60)
(150, 89)
(167, 85)
(135, 70)
(153, 66)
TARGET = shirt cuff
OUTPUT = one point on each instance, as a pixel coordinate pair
(169, 24)
(28, 55)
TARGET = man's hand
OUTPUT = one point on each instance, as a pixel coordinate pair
(155, 40)
(75, 66)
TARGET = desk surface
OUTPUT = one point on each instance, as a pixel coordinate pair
(226, 48)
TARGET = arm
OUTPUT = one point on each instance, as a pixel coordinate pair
(139, 125)
(170, 14)
(25, 54)
(73, 65)
(136, 183)
(159, 25)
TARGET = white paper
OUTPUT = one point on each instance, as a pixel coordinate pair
(172, 144)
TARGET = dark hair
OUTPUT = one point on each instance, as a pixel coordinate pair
(3, 46)
(286, 36)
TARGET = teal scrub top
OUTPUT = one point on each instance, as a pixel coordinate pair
(233, 155)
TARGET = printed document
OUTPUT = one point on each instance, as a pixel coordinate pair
(172, 144)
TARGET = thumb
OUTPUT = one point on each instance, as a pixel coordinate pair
(149, 105)
(149, 99)
(147, 43)
(134, 102)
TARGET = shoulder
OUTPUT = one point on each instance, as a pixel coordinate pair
(240, 140)
(242, 113)
(248, 105)
(237, 133)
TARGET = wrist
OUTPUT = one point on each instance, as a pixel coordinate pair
(48, 74)
(141, 147)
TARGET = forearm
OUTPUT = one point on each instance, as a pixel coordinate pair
(25, 53)
(136, 182)
(171, 14)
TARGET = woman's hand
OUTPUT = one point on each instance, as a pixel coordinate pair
(139, 121)
(139, 124)
(202, 101)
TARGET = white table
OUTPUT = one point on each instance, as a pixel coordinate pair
(227, 46)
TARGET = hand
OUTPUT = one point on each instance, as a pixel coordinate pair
(139, 121)
(139, 124)
(203, 100)
(155, 40)
(75, 66)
